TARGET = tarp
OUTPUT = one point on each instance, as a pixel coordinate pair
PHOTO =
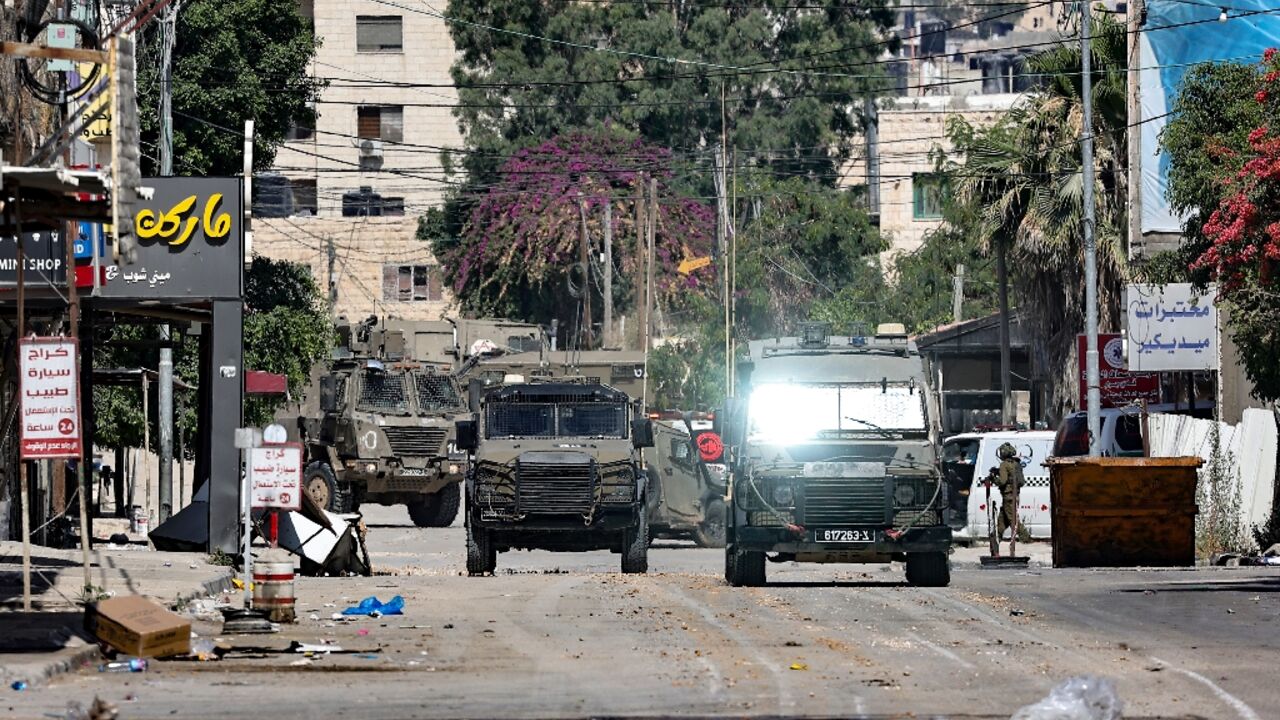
(1177, 35)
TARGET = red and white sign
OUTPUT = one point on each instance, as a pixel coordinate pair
(50, 393)
(1118, 386)
(275, 476)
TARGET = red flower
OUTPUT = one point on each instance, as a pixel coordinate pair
(1271, 76)
(1268, 54)
(1261, 97)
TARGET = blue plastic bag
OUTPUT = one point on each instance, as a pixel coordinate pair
(373, 607)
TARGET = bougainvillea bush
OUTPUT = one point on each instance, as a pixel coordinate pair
(518, 254)
(1239, 236)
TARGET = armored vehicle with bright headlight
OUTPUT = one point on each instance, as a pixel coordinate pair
(833, 457)
(555, 466)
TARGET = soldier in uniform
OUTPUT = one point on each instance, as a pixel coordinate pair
(1008, 479)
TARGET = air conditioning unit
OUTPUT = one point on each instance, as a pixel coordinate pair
(371, 148)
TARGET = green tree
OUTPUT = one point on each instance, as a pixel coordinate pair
(234, 60)
(1022, 183)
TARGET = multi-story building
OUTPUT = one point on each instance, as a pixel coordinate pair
(371, 165)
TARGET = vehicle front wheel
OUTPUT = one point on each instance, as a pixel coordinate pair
(439, 509)
(932, 569)
(635, 546)
(323, 487)
(743, 568)
(482, 556)
(710, 533)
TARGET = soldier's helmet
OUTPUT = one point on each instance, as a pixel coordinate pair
(1006, 451)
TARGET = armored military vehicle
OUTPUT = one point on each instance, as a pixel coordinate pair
(833, 457)
(555, 466)
(383, 431)
(686, 495)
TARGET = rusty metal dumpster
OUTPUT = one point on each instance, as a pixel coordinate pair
(1123, 512)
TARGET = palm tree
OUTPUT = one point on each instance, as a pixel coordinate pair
(1022, 181)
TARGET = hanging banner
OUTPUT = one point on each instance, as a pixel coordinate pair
(1171, 327)
(50, 393)
(275, 476)
(1118, 386)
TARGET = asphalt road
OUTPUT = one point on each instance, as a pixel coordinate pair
(565, 635)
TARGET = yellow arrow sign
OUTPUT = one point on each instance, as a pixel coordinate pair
(688, 265)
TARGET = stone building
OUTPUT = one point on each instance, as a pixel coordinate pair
(358, 180)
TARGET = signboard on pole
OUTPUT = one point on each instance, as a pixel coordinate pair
(50, 391)
(1119, 386)
(275, 476)
(1171, 328)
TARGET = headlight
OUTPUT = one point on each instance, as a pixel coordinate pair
(783, 495)
(904, 494)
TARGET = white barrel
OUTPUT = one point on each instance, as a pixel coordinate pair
(273, 589)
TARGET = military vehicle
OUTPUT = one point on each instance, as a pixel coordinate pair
(686, 495)
(556, 466)
(383, 430)
(833, 457)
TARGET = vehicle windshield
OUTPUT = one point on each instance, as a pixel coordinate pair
(435, 392)
(383, 392)
(549, 420)
(785, 412)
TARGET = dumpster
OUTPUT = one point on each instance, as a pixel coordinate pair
(1123, 512)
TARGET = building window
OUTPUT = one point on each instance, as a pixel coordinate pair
(380, 122)
(393, 206)
(379, 33)
(928, 191)
(305, 197)
(412, 283)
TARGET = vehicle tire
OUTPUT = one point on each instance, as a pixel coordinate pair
(323, 487)
(931, 569)
(743, 568)
(710, 533)
(439, 509)
(482, 556)
(635, 546)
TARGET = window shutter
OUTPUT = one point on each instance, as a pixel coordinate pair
(390, 283)
(369, 122)
(406, 283)
(379, 33)
(436, 291)
(393, 123)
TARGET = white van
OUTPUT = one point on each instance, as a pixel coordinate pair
(968, 458)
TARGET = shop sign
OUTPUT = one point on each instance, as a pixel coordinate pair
(44, 257)
(50, 391)
(1119, 387)
(275, 476)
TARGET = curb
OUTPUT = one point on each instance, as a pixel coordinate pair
(65, 662)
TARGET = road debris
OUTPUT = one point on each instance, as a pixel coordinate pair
(1085, 697)
(373, 607)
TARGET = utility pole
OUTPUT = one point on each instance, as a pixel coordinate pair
(608, 273)
(584, 256)
(164, 409)
(957, 294)
(333, 279)
(1137, 15)
(650, 295)
(1094, 397)
(642, 265)
(1006, 381)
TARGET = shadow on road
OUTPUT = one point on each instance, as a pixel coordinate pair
(837, 584)
(1251, 585)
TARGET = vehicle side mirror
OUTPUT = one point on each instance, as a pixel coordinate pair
(467, 432)
(328, 394)
(642, 433)
(475, 390)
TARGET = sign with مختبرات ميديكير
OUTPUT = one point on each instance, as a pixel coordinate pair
(190, 243)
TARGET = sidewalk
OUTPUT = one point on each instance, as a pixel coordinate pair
(50, 640)
(1041, 553)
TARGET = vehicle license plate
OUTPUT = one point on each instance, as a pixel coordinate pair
(845, 536)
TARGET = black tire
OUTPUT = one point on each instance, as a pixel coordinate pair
(323, 487)
(482, 556)
(439, 509)
(929, 569)
(635, 547)
(711, 532)
(744, 568)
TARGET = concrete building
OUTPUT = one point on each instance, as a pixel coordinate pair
(371, 165)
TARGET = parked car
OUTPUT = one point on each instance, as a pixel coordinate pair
(969, 457)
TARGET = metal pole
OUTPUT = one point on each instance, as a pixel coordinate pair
(584, 256)
(164, 422)
(1094, 397)
(168, 27)
(957, 294)
(608, 273)
(22, 330)
(246, 509)
(1006, 382)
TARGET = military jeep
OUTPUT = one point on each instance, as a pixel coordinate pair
(555, 466)
(383, 436)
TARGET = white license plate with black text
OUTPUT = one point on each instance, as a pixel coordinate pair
(844, 536)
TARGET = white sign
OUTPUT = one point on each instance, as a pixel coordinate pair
(275, 476)
(50, 398)
(1171, 328)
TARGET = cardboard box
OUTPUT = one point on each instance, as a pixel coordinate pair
(137, 626)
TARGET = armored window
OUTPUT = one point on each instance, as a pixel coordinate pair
(383, 392)
(435, 392)
(592, 420)
(379, 33)
(520, 420)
